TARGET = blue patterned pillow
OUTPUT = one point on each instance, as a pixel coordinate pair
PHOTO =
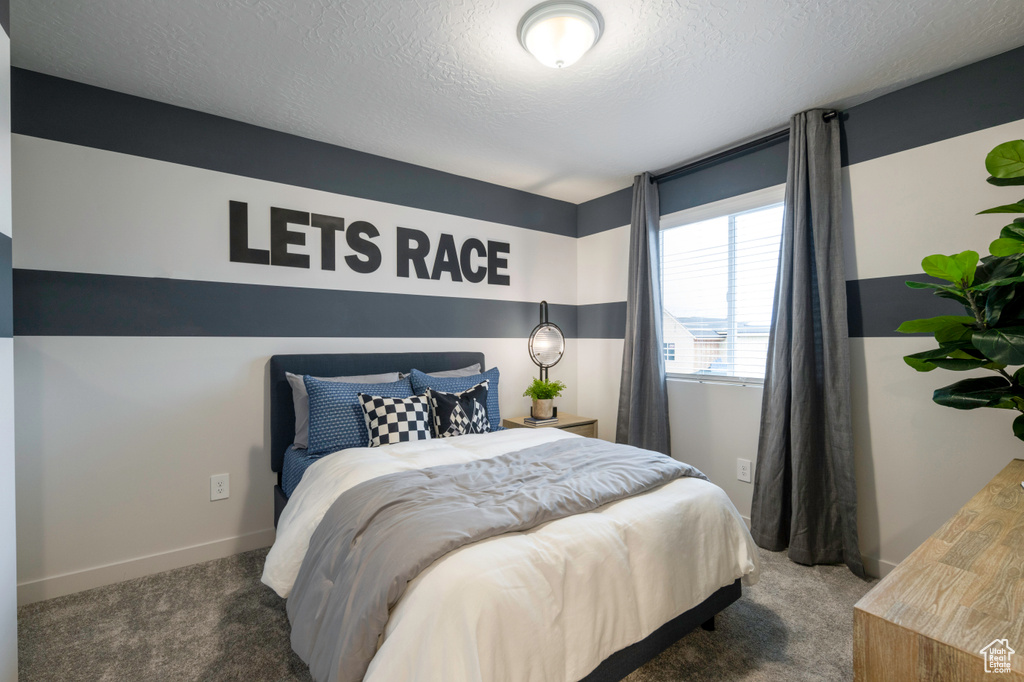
(421, 382)
(336, 416)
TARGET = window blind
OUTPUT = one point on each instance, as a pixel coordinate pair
(718, 284)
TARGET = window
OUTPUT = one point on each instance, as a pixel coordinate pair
(719, 264)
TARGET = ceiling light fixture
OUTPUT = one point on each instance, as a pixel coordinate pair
(559, 33)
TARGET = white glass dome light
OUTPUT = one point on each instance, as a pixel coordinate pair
(559, 33)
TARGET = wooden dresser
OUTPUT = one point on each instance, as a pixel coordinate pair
(959, 592)
(584, 426)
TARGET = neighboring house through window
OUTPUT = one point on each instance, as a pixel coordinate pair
(719, 264)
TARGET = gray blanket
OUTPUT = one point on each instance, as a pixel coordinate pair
(380, 534)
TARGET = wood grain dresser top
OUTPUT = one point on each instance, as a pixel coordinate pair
(964, 586)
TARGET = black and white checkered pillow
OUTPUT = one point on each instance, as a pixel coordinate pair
(395, 420)
(455, 414)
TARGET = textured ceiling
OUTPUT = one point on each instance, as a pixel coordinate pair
(447, 85)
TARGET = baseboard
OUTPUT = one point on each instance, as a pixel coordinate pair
(877, 568)
(78, 581)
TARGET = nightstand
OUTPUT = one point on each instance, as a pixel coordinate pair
(583, 426)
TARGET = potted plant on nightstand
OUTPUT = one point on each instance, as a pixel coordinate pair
(543, 393)
(991, 290)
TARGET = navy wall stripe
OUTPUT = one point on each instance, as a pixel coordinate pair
(981, 95)
(5, 16)
(754, 170)
(604, 213)
(602, 320)
(49, 303)
(978, 96)
(877, 306)
(6, 289)
(66, 111)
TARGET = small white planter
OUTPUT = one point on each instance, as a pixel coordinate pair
(543, 409)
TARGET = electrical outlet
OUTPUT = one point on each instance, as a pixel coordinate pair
(219, 487)
(743, 470)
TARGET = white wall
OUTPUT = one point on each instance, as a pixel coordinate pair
(8, 544)
(601, 270)
(117, 436)
(916, 462)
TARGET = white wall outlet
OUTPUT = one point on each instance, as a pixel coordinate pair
(219, 487)
(743, 470)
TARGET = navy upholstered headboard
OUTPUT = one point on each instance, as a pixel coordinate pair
(282, 411)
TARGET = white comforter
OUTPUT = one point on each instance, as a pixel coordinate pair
(547, 605)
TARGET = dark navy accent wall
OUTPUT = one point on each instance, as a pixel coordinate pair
(604, 213)
(66, 111)
(5, 16)
(754, 170)
(6, 289)
(79, 304)
(601, 320)
(877, 306)
(978, 96)
(975, 97)
(747, 172)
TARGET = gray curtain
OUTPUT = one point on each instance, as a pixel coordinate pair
(643, 400)
(805, 494)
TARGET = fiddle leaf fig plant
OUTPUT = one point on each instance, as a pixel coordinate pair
(990, 336)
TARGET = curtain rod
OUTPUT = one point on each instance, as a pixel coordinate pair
(732, 151)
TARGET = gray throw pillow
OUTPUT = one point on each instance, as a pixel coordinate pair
(464, 372)
(301, 399)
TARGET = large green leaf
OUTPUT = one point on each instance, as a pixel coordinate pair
(1014, 230)
(999, 267)
(971, 394)
(1006, 160)
(953, 333)
(1004, 182)
(985, 286)
(967, 261)
(1003, 345)
(959, 364)
(931, 285)
(1006, 246)
(1006, 208)
(954, 295)
(996, 302)
(933, 324)
(922, 361)
(956, 356)
(943, 267)
(1018, 427)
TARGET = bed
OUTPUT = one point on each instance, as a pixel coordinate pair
(588, 597)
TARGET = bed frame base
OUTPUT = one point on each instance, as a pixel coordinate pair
(625, 661)
(279, 502)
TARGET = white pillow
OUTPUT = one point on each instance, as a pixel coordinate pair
(301, 399)
(464, 372)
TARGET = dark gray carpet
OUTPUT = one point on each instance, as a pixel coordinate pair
(216, 621)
